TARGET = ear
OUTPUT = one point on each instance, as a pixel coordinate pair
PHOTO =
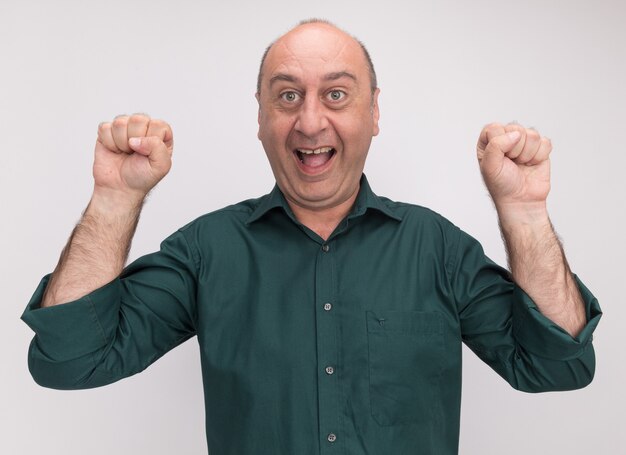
(375, 113)
(258, 100)
(258, 118)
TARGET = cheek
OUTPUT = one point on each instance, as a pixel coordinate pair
(356, 131)
(356, 122)
(274, 128)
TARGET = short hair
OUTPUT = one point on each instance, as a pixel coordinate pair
(368, 59)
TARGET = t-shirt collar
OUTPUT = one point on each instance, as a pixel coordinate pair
(366, 199)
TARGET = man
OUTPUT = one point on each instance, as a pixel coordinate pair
(329, 319)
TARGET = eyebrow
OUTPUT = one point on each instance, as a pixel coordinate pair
(339, 75)
(328, 77)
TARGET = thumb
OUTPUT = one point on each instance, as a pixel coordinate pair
(139, 145)
(493, 156)
(503, 143)
(153, 148)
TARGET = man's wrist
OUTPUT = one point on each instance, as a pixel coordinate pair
(113, 203)
(532, 216)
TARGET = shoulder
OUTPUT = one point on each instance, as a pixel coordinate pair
(235, 214)
(414, 215)
(428, 230)
(434, 233)
(223, 226)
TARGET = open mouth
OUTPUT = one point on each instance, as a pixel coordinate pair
(315, 158)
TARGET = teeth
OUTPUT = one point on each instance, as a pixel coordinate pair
(316, 151)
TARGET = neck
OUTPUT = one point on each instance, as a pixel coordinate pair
(323, 221)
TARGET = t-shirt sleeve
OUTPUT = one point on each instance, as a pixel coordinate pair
(504, 327)
(541, 336)
(119, 329)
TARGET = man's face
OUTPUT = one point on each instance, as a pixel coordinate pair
(317, 115)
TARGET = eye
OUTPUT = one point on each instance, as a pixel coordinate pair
(290, 97)
(336, 95)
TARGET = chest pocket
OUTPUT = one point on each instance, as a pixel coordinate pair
(405, 365)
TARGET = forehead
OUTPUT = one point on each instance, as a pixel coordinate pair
(312, 50)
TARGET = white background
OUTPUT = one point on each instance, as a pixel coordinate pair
(445, 69)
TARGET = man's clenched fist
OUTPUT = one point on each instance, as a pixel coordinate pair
(133, 153)
(515, 165)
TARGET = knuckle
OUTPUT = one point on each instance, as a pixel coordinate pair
(533, 133)
(157, 123)
(160, 128)
(138, 118)
(492, 126)
(549, 146)
(119, 121)
(544, 143)
(514, 126)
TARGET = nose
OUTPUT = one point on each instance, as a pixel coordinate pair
(312, 118)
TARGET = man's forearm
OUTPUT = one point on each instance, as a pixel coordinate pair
(539, 267)
(96, 251)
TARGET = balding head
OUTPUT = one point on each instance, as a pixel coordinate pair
(321, 23)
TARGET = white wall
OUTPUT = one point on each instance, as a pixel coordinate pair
(445, 68)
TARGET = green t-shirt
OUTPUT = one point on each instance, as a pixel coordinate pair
(350, 345)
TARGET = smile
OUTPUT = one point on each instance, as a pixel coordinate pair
(315, 158)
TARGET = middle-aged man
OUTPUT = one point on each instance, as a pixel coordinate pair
(329, 319)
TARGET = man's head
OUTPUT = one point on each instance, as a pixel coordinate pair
(318, 112)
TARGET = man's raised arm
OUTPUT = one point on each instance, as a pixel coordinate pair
(515, 164)
(132, 154)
